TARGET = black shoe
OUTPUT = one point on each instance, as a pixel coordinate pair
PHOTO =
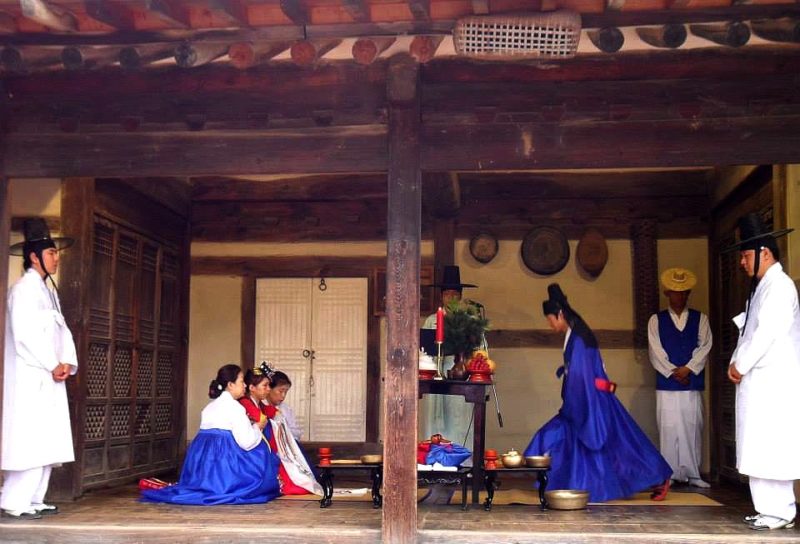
(21, 514)
(46, 509)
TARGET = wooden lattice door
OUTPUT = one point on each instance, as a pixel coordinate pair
(130, 424)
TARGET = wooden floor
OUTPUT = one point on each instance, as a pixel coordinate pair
(115, 516)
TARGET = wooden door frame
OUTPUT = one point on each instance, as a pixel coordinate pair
(759, 189)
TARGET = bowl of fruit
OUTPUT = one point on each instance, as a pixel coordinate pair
(480, 367)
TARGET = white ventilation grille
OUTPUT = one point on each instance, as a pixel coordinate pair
(542, 35)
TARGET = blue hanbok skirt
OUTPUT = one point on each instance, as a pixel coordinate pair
(625, 464)
(218, 471)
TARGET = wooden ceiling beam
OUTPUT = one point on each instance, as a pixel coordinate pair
(236, 10)
(480, 7)
(318, 188)
(169, 11)
(420, 9)
(134, 58)
(307, 52)
(185, 153)
(731, 34)
(779, 30)
(669, 36)
(53, 17)
(8, 24)
(357, 9)
(366, 50)
(295, 12)
(423, 48)
(109, 14)
(245, 55)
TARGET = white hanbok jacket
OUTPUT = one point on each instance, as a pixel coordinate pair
(768, 357)
(36, 424)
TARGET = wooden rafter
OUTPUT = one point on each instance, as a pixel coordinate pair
(420, 9)
(357, 9)
(108, 14)
(236, 10)
(480, 7)
(48, 15)
(295, 11)
(169, 11)
(7, 23)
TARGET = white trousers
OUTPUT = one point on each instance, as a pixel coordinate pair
(773, 497)
(680, 426)
(24, 488)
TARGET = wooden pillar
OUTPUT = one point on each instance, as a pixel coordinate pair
(404, 220)
(248, 322)
(5, 235)
(644, 246)
(74, 281)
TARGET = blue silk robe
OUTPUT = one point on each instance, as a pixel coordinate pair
(593, 442)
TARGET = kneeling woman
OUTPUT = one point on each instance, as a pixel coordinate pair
(593, 442)
(228, 462)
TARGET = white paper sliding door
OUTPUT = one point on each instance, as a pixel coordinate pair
(319, 338)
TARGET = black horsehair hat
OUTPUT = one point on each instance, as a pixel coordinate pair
(451, 279)
(37, 235)
(753, 233)
(556, 300)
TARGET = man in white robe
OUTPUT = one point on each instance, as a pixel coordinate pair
(766, 370)
(39, 356)
(679, 343)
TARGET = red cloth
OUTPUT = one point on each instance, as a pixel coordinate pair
(288, 487)
(422, 451)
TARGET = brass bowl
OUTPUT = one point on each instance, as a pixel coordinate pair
(512, 461)
(567, 499)
(537, 461)
(372, 459)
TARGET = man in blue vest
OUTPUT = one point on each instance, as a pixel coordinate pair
(679, 342)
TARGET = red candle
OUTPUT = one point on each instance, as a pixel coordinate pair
(440, 325)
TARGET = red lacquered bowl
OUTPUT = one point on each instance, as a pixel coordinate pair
(484, 375)
(427, 374)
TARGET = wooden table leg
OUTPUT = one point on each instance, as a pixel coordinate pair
(542, 478)
(478, 437)
(489, 481)
(326, 480)
(464, 491)
(377, 481)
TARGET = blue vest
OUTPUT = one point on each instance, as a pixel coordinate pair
(679, 346)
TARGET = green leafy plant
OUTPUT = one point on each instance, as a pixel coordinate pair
(464, 327)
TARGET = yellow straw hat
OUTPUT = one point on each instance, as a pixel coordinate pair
(678, 279)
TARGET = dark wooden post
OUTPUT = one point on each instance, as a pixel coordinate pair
(442, 201)
(5, 233)
(404, 220)
(74, 271)
(644, 245)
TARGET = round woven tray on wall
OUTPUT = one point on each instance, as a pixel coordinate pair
(483, 247)
(592, 252)
(545, 250)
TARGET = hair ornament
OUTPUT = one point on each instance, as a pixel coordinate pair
(264, 370)
(219, 386)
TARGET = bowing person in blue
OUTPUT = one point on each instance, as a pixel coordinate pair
(593, 442)
(229, 461)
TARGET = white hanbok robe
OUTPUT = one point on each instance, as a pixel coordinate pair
(36, 424)
(768, 357)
